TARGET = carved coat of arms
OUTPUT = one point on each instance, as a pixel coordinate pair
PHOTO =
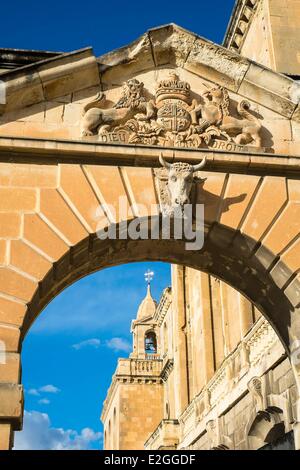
(172, 117)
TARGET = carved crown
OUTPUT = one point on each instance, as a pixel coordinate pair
(173, 87)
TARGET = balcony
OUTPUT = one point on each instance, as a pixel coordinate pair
(149, 366)
(165, 436)
(258, 352)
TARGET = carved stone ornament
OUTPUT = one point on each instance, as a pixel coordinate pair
(256, 389)
(172, 118)
(174, 184)
(216, 437)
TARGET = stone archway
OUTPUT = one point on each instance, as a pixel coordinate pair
(54, 175)
(54, 249)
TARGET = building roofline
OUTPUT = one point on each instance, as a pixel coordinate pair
(239, 23)
(172, 45)
(44, 61)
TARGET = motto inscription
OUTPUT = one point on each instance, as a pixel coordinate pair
(173, 118)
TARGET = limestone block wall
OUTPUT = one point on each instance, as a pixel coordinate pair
(257, 42)
(111, 422)
(217, 319)
(47, 210)
(61, 118)
(267, 31)
(140, 413)
(241, 428)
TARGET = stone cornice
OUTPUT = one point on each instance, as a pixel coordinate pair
(49, 78)
(109, 397)
(163, 306)
(168, 45)
(11, 59)
(162, 433)
(25, 150)
(168, 365)
(259, 352)
(239, 24)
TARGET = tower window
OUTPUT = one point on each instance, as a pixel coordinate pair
(150, 343)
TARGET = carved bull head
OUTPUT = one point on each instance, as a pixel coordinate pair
(180, 180)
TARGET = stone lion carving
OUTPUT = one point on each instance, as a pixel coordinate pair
(131, 104)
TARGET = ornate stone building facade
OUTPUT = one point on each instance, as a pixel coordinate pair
(169, 119)
(216, 376)
(221, 377)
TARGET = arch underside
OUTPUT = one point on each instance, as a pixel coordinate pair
(226, 254)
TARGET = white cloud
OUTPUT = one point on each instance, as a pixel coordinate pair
(49, 389)
(119, 344)
(33, 391)
(44, 389)
(93, 342)
(39, 435)
(44, 401)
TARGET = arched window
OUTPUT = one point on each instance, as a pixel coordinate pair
(165, 338)
(109, 446)
(114, 431)
(167, 411)
(150, 343)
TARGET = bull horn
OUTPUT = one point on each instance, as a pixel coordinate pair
(163, 162)
(200, 165)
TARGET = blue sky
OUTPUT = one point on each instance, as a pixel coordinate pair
(71, 351)
(74, 346)
(65, 26)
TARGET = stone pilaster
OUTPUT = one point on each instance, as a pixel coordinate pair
(11, 413)
(6, 436)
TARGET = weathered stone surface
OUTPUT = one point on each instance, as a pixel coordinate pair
(269, 204)
(28, 260)
(238, 194)
(3, 251)
(37, 232)
(271, 90)
(136, 180)
(22, 90)
(210, 194)
(69, 73)
(57, 190)
(109, 195)
(16, 285)
(217, 64)
(6, 436)
(29, 176)
(10, 225)
(75, 188)
(10, 372)
(11, 312)
(281, 274)
(11, 402)
(126, 61)
(50, 79)
(17, 200)
(171, 45)
(285, 229)
(55, 209)
(10, 337)
(293, 291)
(291, 257)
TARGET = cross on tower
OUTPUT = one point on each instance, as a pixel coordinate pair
(148, 276)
